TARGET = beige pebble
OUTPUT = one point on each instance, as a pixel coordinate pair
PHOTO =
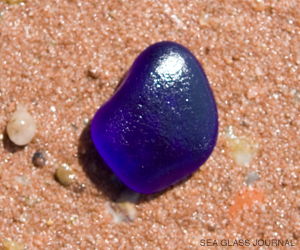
(65, 174)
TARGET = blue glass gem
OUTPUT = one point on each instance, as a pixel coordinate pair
(162, 123)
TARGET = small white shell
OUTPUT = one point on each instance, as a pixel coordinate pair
(21, 127)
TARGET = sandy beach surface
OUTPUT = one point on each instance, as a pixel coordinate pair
(63, 59)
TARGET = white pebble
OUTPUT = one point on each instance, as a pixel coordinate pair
(122, 212)
(242, 149)
(21, 127)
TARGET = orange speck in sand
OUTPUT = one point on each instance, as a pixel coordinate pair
(244, 199)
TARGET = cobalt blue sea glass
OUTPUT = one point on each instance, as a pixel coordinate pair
(162, 123)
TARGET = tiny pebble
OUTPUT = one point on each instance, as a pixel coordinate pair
(85, 121)
(243, 151)
(203, 20)
(79, 188)
(252, 92)
(228, 60)
(122, 212)
(251, 178)
(73, 219)
(12, 245)
(93, 73)
(128, 209)
(258, 71)
(65, 175)
(39, 159)
(21, 179)
(30, 201)
(49, 222)
(211, 227)
(242, 148)
(24, 217)
(21, 127)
